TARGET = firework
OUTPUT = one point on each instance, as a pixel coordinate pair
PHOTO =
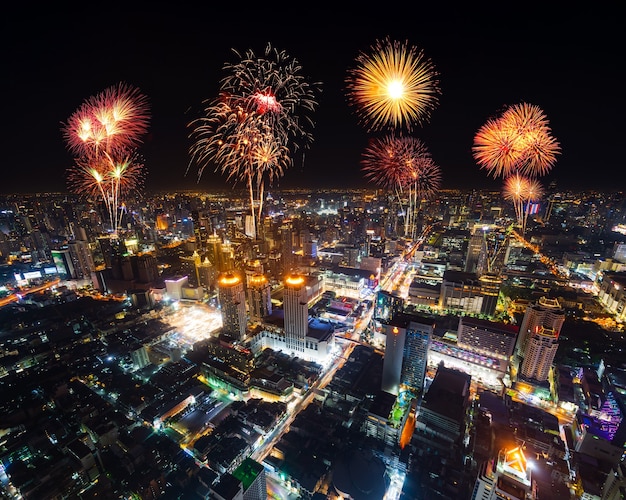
(394, 86)
(497, 149)
(261, 117)
(521, 191)
(519, 141)
(111, 121)
(383, 162)
(404, 165)
(103, 134)
(427, 179)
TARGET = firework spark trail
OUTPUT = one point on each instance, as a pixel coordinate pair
(261, 117)
(103, 133)
(521, 191)
(393, 87)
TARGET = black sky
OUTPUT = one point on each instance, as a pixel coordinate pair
(568, 62)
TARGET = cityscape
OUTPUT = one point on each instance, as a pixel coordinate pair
(345, 257)
(185, 359)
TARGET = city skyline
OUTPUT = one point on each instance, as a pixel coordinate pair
(563, 62)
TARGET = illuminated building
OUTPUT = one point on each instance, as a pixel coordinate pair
(544, 314)
(259, 297)
(286, 247)
(174, 286)
(140, 357)
(508, 478)
(291, 330)
(487, 337)
(612, 296)
(465, 292)
(539, 353)
(233, 304)
(189, 266)
(207, 274)
(296, 312)
(416, 345)
(387, 306)
(476, 259)
(214, 250)
(407, 340)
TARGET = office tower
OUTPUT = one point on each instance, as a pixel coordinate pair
(189, 267)
(286, 247)
(201, 226)
(228, 256)
(233, 304)
(509, 477)
(147, 268)
(207, 274)
(415, 362)
(82, 260)
(395, 337)
(214, 251)
(546, 313)
(259, 297)
(295, 304)
(475, 260)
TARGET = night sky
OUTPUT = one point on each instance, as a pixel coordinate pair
(567, 61)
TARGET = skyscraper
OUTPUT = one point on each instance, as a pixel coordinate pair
(539, 354)
(538, 338)
(546, 313)
(416, 344)
(394, 353)
(296, 309)
(233, 304)
(259, 297)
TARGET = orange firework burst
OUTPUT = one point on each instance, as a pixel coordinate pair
(393, 87)
(521, 191)
(516, 188)
(519, 141)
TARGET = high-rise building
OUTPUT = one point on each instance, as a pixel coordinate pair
(539, 354)
(233, 304)
(286, 247)
(475, 260)
(546, 313)
(509, 477)
(415, 362)
(214, 251)
(259, 297)
(395, 337)
(82, 260)
(295, 304)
